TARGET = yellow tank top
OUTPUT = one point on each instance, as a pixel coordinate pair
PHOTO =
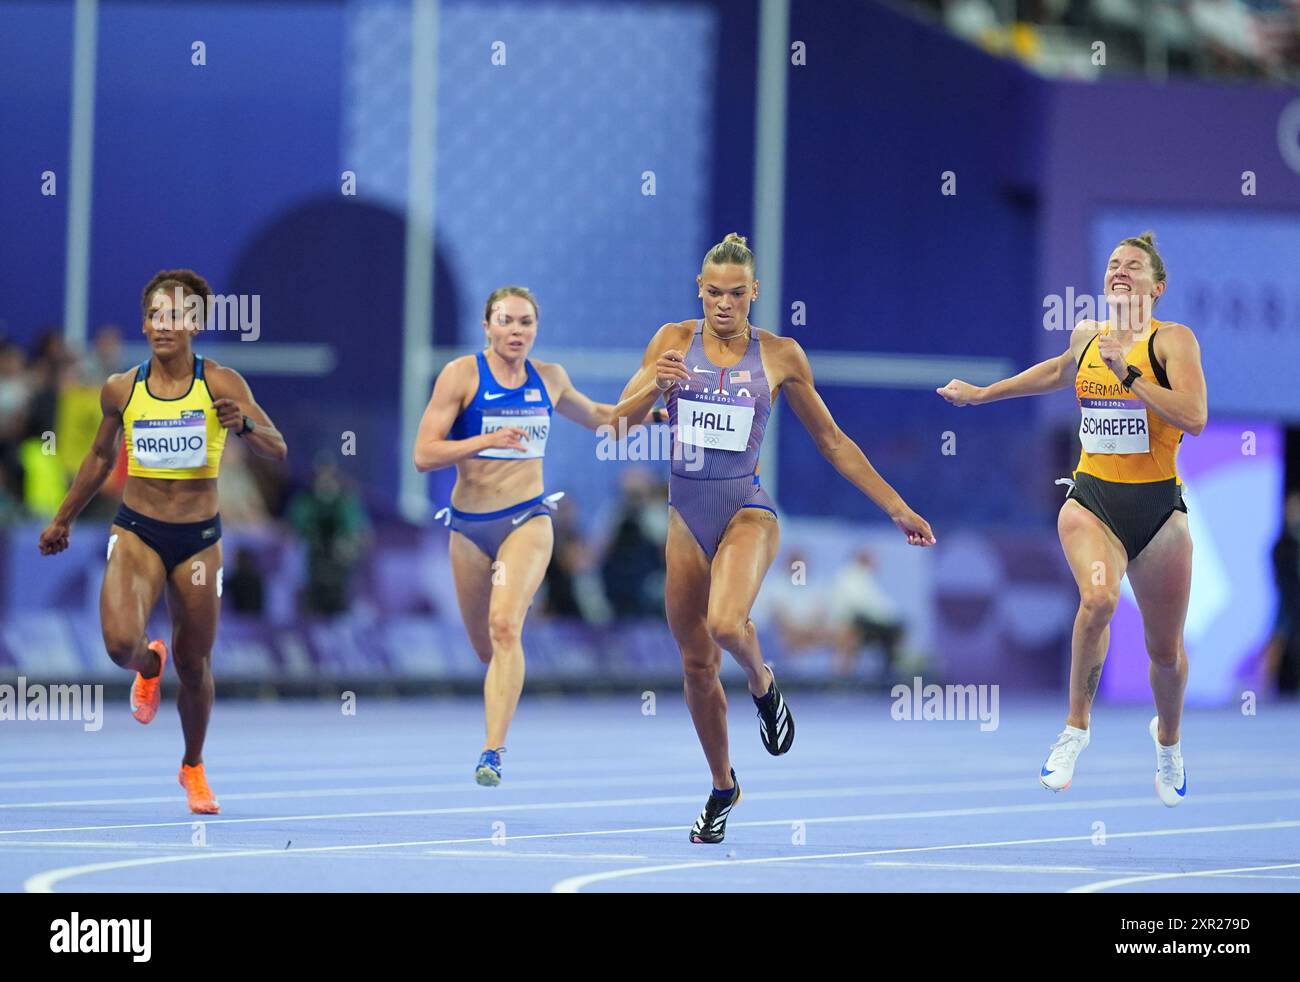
(175, 439)
(1122, 439)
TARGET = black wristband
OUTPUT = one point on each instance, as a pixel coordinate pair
(1134, 373)
(248, 427)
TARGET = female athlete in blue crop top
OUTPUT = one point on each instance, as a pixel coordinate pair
(490, 416)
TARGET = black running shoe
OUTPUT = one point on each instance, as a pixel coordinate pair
(775, 721)
(711, 826)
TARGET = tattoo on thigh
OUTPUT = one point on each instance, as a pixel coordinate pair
(1094, 677)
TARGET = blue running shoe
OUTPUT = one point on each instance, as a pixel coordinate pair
(488, 772)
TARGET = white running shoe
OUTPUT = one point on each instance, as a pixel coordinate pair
(1171, 775)
(1058, 772)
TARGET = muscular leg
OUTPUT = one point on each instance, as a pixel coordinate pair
(686, 603)
(1162, 582)
(133, 581)
(522, 561)
(194, 605)
(1097, 560)
(748, 547)
(472, 571)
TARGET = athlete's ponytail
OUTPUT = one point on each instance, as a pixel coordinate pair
(731, 251)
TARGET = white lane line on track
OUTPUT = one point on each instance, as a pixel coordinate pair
(1152, 877)
(574, 884)
(270, 768)
(501, 853)
(1252, 876)
(881, 790)
(816, 793)
(298, 773)
(46, 881)
(990, 867)
(547, 784)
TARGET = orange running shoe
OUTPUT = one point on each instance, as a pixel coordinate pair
(195, 783)
(147, 693)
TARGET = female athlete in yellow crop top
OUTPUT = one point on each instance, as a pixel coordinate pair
(1140, 389)
(176, 409)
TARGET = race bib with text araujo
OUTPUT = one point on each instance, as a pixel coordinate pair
(1114, 426)
(171, 444)
(715, 421)
(535, 421)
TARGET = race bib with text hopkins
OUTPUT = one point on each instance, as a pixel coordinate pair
(715, 421)
(171, 444)
(1114, 426)
(535, 421)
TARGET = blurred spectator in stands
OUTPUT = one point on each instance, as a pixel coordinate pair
(76, 421)
(572, 587)
(44, 372)
(241, 498)
(568, 561)
(244, 586)
(108, 357)
(332, 523)
(799, 608)
(633, 567)
(44, 481)
(11, 505)
(272, 480)
(1284, 651)
(15, 393)
(864, 614)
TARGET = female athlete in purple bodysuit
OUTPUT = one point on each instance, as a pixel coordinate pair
(720, 377)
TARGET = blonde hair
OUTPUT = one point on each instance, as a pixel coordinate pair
(1147, 243)
(501, 292)
(731, 251)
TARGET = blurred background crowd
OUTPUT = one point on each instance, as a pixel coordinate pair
(920, 179)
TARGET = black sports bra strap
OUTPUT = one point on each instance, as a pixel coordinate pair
(1078, 364)
(1156, 367)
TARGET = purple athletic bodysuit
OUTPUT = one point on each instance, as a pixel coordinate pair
(717, 422)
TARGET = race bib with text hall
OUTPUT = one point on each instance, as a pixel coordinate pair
(715, 421)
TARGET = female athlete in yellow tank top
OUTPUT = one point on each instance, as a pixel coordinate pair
(175, 409)
(1140, 388)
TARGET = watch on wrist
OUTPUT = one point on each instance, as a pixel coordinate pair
(248, 427)
(1134, 373)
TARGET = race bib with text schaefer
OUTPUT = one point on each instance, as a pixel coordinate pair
(1114, 426)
